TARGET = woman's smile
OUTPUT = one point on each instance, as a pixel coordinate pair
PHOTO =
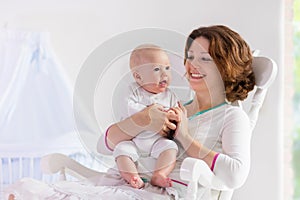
(197, 75)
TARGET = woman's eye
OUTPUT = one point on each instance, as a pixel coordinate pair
(167, 67)
(190, 57)
(205, 59)
(156, 69)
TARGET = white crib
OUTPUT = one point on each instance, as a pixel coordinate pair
(19, 161)
(36, 107)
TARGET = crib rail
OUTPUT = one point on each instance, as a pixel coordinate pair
(15, 165)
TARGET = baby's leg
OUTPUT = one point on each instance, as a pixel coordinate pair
(129, 172)
(164, 165)
(125, 154)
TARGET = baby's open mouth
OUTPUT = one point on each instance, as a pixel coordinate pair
(163, 83)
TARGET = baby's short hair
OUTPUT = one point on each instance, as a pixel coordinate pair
(141, 52)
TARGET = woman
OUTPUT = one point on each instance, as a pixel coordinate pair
(218, 68)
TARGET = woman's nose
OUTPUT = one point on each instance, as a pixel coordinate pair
(193, 64)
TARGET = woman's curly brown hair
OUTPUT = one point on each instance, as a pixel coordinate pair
(232, 56)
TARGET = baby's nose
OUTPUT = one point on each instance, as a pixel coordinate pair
(164, 74)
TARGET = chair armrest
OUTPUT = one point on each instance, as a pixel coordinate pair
(54, 163)
(196, 171)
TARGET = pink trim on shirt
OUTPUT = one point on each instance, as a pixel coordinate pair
(179, 182)
(105, 139)
(214, 161)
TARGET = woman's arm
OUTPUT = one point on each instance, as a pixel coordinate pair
(152, 118)
(192, 147)
(232, 165)
(195, 149)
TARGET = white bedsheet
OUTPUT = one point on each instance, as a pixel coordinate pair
(28, 188)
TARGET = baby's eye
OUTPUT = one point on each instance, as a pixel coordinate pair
(156, 69)
(167, 67)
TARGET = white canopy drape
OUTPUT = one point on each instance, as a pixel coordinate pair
(35, 96)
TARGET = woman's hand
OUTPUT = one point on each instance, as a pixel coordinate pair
(169, 128)
(160, 120)
(182, 122)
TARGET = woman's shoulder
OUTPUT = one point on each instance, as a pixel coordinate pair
(235, 112)
(235, 116)
(235, 123)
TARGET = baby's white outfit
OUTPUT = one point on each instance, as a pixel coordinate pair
(146, 143)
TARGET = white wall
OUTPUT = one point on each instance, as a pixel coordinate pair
(77, 27)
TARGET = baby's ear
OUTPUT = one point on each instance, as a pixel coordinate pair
(137, 76)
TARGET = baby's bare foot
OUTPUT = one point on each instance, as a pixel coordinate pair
(161, 181)
(136, 182)
(11, 197)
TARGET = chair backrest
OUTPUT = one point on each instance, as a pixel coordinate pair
(265, 71)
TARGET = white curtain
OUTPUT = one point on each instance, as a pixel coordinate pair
(35, 96)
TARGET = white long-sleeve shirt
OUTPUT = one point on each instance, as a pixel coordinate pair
(226, 130)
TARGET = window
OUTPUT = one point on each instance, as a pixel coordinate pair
(296, 99)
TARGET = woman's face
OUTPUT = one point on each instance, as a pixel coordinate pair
(202, 72)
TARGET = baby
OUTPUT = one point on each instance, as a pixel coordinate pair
(150, 67)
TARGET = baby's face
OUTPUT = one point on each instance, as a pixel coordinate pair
(154, 72)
